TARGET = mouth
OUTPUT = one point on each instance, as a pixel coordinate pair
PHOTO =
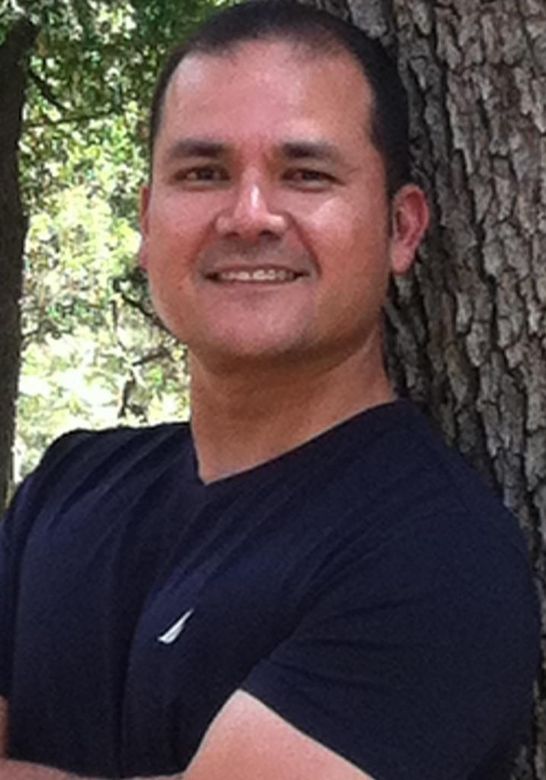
(255, 276)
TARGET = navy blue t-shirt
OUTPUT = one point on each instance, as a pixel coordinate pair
(365, 586)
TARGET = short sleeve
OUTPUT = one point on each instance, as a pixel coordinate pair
(14, 529)
(417, 657)
(8, 545)
(6, 610)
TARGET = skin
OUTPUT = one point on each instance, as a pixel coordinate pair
(274, 171)
(264, 161)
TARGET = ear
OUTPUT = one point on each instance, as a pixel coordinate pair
(410, 218)
(143, 222)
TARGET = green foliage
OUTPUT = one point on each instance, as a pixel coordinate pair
(93, 353)
(95, 62)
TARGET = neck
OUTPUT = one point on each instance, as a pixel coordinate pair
(242, 419)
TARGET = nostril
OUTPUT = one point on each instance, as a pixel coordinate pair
(251, 226)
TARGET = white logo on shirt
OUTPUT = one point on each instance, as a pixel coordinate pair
(176, 629)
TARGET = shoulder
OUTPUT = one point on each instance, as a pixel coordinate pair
(419, 640)
(83, 443)
(384, 488)
(417, 523)
(402, 469)
(123, 441)
(82, 459)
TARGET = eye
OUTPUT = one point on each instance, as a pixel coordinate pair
(199, 175)
(309, 178)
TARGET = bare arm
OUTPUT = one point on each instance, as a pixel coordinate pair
(246, 736)
(255, 742)
(20, 770)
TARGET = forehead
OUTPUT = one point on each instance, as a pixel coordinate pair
(265, 87)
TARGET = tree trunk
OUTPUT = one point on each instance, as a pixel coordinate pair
(13, 53)
(466, 332)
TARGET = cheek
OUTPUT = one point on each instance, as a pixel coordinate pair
(173, 241)
(351, 247)
(327, 230)
(347, 240)
(179, 223)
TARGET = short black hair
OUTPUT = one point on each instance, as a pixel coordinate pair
(320, 32)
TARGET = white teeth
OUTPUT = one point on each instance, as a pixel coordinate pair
(258, 275)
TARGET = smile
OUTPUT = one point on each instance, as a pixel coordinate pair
(256, 275)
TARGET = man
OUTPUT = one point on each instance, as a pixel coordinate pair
(305, 582)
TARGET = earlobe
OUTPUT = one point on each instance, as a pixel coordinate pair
(143, 222)
(142, 255)
(410, 218)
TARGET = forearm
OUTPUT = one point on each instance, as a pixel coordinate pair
(21, 770)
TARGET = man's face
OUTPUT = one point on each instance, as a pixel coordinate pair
(265, 229)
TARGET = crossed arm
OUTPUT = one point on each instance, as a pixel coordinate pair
(246, 736)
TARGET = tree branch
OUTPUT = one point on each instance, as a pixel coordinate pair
(75, 118)
(134, 303)
(46, 90)
(160, 353)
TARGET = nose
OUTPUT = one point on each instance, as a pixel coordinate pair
(249, 216)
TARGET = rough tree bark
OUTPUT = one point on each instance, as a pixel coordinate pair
(13, 53)
(466, 332)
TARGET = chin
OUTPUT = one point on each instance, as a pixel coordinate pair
(246, 354)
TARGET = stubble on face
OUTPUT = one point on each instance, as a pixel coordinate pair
(335, 239)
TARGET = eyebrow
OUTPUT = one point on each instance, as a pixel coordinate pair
(315, 150)
(291, 150)
(195, 147)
